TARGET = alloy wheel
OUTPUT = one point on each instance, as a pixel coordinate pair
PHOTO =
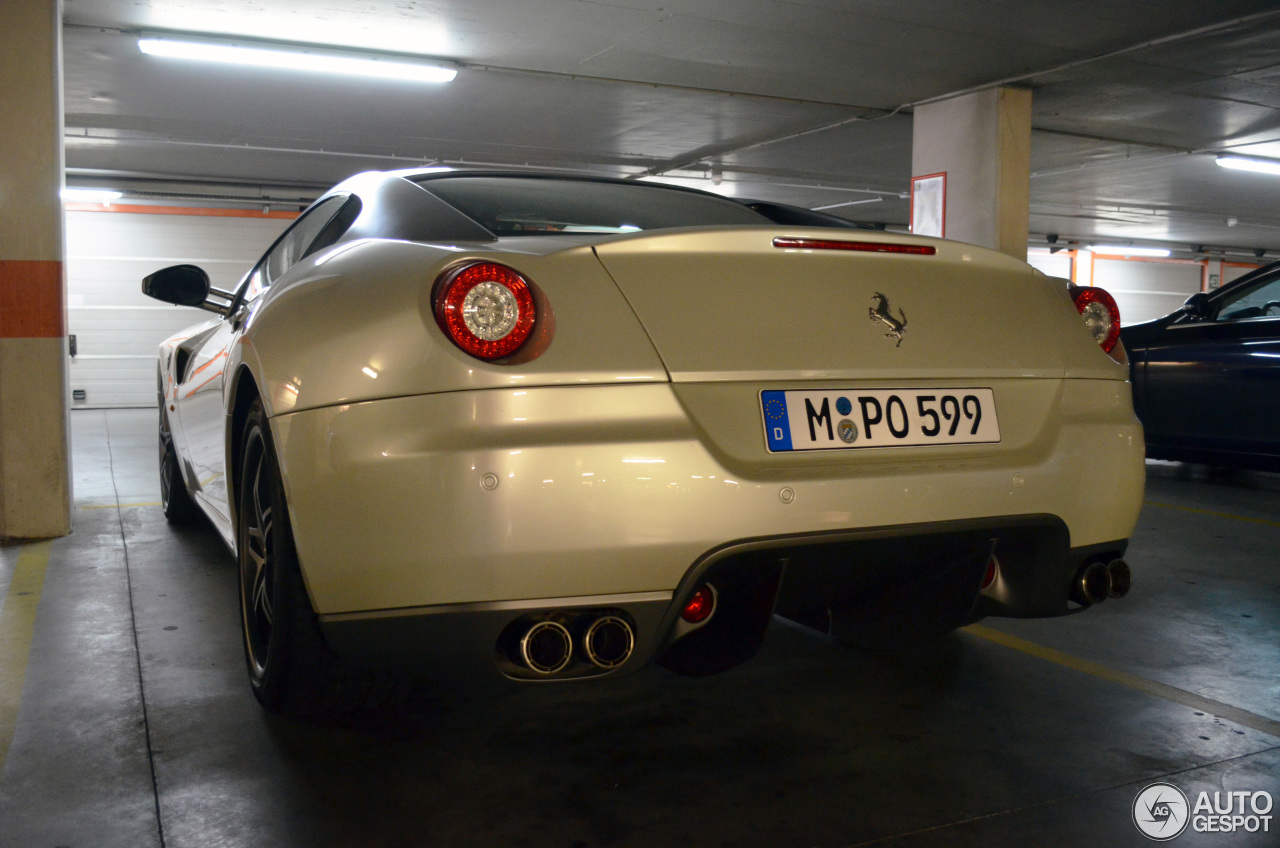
(257, 561)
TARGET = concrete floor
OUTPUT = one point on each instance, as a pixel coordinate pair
(135, 726)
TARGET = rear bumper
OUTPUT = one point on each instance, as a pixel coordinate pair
(515, 495)
(911, 581)
(429, 526)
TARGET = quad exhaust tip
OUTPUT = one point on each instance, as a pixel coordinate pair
(1121, 579)
(609, 641)
(546, 647)
(1095, 582)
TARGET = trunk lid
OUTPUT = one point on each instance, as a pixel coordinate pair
(728, 305)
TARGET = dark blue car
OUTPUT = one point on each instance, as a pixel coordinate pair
(1206, 379)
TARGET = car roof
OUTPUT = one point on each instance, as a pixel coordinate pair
(401, 193)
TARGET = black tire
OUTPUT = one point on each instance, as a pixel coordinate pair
(176, 501)
(289, 664)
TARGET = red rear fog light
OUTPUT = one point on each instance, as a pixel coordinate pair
(700, 606)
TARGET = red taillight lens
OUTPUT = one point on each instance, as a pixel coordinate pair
(1100, 313)
(700, 605)
(486, 309)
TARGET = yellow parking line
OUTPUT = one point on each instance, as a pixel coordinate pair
(17, 621)
(121, 506)
(1262, 724)
(1215, 514)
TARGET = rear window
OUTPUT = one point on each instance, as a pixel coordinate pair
(539, 206)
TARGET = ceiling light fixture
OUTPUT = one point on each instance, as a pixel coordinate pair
(1121, 250)
(1239, 163)
(296, 57)
(90, 195)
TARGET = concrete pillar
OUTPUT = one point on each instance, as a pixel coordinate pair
(35, 476)
(982, 142)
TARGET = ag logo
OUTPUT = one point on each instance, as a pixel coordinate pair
(1161, 812)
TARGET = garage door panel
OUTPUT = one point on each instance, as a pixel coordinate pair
(114, 381)
(117, 328)
(105, 276)
(179, 237)
(106, 281)
(115, 331)
(1147, 290)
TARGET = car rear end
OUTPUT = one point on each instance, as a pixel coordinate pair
(869, 434)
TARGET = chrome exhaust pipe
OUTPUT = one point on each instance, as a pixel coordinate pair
(546, 647)
(1091, 585)
(609, 641)
(1121, 579)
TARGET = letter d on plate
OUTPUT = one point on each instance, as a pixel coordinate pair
(777, 426)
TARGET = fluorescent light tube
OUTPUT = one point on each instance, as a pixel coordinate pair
(90, 195)
(296, 57)
(1238, 163)
(1128, 251)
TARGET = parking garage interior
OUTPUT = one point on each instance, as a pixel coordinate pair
(125, 718)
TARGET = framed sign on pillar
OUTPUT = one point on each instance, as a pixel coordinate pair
(929, 205)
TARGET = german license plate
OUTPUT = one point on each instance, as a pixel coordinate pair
(877, 418)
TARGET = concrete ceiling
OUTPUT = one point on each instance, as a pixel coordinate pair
(803, 101)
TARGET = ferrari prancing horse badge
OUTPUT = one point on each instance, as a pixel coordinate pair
(879, 313)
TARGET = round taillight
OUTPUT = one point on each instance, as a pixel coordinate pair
(700, 605)
(1100, 313)
(486, 309)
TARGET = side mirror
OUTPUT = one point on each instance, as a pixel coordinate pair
(1197, 306)
(183, 285)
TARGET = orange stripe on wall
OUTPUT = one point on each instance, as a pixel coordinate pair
(180, 210)
(31, 304)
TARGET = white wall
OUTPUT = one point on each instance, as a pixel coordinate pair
(1053, 264)
(1232, 272)
(117, 328)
